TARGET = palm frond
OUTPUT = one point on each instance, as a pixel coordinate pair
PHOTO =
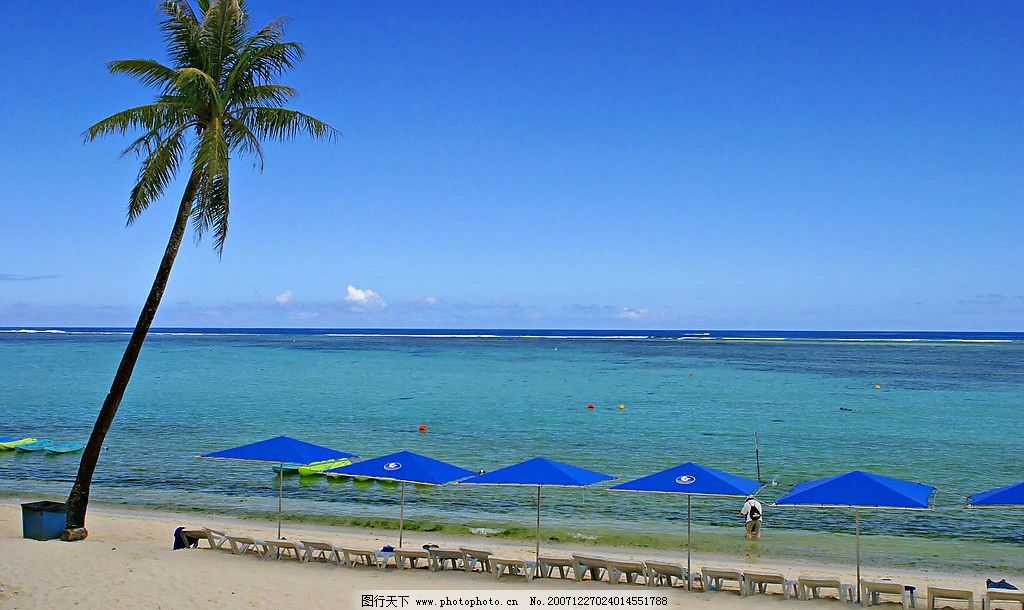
(145, 144)
(182, 33)
(211, 153)
(241, 71)
(242, 139)
(148, 117)
(223, 31)
(149, 71)
(284, 124)
(267, 62)
(212, 209)
(262, 95)
(157, 170)
(201, 84)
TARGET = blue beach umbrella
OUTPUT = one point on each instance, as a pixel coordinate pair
(859, 490)
(541, 472)
(281, 450)
(1011, 495)
(404, 467)
(693, 480)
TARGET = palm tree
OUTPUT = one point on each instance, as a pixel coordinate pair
(216, 98)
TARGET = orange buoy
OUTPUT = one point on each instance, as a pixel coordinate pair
(878, 387)
(622, 405)
(423, 428)
(590, 405)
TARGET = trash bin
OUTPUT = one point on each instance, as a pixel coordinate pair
(43, 520)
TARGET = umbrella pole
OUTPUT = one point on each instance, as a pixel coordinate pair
(536, 555)
(689, 574)
(856, 517)
(401, 516)
(280, 495)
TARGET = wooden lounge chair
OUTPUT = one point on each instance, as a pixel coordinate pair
(321, 550)
(872, 592)
(1001, 595)
(632, 570)
(583, 565)
(279, 549)
(366, 557)
(548, 564)
(216, 539)
(664, 574)
(412, 555)
(438, 557)
(715, 578)
(242, 545)
(757, 582)
(473, 557)
(513, 567)
(936, 593)
(811, 586)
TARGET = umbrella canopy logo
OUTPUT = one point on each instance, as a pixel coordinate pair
(686, 479)
(392, 466)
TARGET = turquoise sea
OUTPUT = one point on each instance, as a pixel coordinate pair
(947, 413)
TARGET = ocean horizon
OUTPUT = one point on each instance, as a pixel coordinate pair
(555, 333)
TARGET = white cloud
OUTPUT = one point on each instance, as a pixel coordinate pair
(284, 298)
(364, 299)
(628, 313)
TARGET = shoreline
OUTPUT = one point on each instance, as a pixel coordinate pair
(723, 544)
(127, 563)
(777, 545)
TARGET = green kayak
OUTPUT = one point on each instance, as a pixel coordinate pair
(320, 467)
(11, 444)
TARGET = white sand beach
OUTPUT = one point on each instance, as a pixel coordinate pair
(127, 562)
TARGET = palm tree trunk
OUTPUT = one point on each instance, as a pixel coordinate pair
(78, 499)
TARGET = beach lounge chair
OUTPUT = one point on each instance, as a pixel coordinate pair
(412, 556)
(366, 557)
(715, 578)
(241, 545)
(810, 587)
(548, 564)
(320, 550)
(438, 557)
(513, 567)
(1001, 595)
(279, 549)
(871, 592)
(632, 570)
(216, 538)
(583, 565)
(664, 574)
(472, 557)
(757, 582)
(936, 593)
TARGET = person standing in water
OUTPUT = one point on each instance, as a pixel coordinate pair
(752, 512)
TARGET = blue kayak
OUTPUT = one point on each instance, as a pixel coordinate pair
(39, 445)
(63, 448)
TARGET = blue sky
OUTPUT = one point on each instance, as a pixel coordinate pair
(799, 165)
